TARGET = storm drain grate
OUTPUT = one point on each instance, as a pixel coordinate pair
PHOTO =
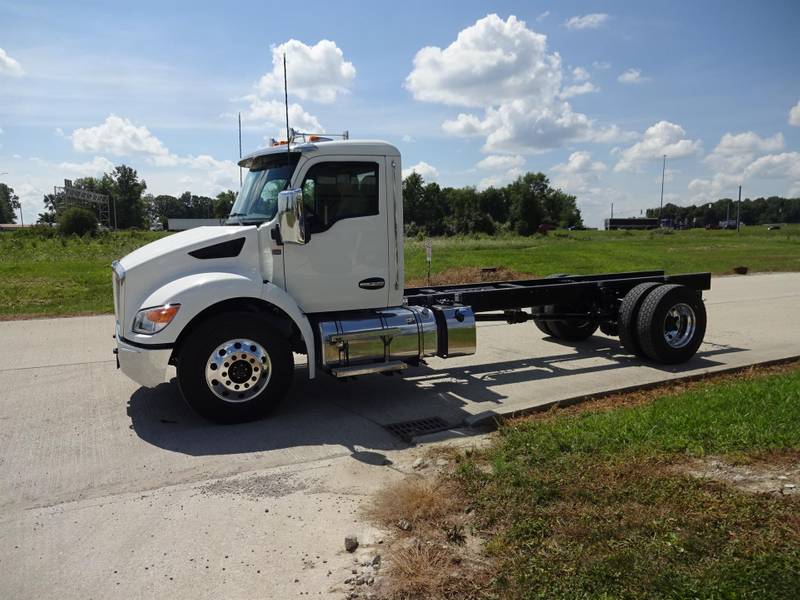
(407, 430)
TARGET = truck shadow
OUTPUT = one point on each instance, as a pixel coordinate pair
(352, 415)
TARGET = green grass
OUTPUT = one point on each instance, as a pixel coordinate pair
(49, 276)
(596, 504)
(587, 252)
(55, 276)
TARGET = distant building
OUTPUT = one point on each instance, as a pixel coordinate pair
(13, 226)
(184, 224)
(631, 223)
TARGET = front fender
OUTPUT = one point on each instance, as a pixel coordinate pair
(197, 292)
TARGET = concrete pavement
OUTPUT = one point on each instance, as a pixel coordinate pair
(107, 490)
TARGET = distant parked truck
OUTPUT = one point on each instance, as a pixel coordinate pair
(311, 262)
(184, 224)
(631, 223)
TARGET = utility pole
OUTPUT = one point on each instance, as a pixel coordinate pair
(739, 211)
(240, 149)
(21, 222)
(612, 210)
(663, 171)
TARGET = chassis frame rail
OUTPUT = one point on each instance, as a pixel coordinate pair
(567, 290)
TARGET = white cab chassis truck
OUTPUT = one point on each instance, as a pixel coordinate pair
(311, 262)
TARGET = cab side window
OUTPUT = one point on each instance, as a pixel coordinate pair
(334, 191)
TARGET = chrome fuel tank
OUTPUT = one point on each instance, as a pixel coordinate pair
(390, 334)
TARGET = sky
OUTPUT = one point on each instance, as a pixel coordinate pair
(593, 94)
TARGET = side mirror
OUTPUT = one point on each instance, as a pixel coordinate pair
(292, 217)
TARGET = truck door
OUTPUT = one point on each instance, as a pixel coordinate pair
(345, 264)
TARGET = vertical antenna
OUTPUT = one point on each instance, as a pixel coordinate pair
(240, 148)
(663, 170)
(286, 104)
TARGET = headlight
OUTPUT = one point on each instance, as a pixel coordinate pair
(153, 320)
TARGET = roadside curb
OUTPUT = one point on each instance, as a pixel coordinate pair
(490, 419)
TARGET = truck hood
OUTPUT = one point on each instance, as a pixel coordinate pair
(150, 270)
(161, 252)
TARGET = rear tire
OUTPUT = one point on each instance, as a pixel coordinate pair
(570, 331)
(543, 326)
(254, 362)
(628, 315)
(671, 324)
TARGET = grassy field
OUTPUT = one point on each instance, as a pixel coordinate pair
(586, 252)
(604, 501)
(61, 276)
(55, 276)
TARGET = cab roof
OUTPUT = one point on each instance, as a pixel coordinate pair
(333, 147)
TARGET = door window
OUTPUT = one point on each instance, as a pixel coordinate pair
(340, 190)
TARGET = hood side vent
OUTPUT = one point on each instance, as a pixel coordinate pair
(227, 249)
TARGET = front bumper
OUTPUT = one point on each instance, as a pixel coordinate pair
(146, 366)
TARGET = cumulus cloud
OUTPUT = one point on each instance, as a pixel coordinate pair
(632, 76)
(424, 170)
(591, 21)
(587, 87)
(503, 68)
(601, 65)
(543, 16)
(785, 165)
(120, 137)
(659, 139)
(95, 167)
(318, 73)
(739, 156)
(580, 74)
(794, 115)
(497, 162)
(273, 114)
(579, 173)
(736, 151)
(490, 61)
(9, 65)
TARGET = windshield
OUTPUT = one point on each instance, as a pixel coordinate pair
(258, 198)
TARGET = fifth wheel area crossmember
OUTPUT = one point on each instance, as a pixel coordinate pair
(311, 262)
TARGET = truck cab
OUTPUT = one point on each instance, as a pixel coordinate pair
(310, 262)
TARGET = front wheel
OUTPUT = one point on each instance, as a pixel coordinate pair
(234, 368)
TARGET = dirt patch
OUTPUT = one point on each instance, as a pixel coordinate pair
(256, 487)
(468, 275)
(777, 474)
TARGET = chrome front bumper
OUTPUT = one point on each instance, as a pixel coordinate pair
(146, 366)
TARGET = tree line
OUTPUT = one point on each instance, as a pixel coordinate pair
(522, 207)
(759, 211)
(136, 209)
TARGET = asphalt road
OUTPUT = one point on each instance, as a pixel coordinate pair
(109, 490)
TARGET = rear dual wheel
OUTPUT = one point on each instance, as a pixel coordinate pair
(666, 323)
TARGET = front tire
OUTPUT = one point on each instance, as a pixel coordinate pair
(234, 368)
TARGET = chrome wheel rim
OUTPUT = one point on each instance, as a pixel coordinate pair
(679, 325)
(238, 370)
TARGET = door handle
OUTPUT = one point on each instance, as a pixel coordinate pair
(372, 283)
